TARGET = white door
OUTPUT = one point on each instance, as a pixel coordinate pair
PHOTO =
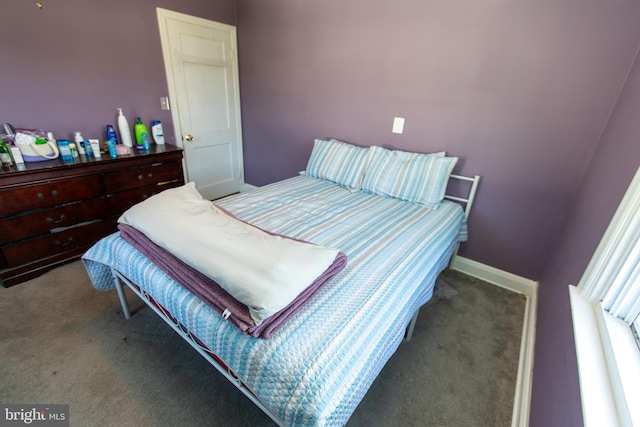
(202, 74)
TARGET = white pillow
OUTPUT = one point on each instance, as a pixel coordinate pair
(414, 177)
(338, 162)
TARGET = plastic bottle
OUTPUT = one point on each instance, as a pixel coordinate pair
(111, 143)
(146, 142)
(5, 155)
(87, 148)
(95, 147)
(111, 134)
(141, 130)
(79, 143)
(125, 131)
(74, 150)
(50, 138)
(156, 131)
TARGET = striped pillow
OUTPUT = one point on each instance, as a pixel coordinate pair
(338, 162)
(417, 178)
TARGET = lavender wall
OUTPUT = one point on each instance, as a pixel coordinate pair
(67, 66)
(555, 386)
(522, 91)
(519, 90)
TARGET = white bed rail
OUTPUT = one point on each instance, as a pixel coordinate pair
(468, 201)
(194, 341)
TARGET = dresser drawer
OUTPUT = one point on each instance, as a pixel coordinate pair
(34, 224)
(50, 193)
(55, 243)
(142, 176)
(118, 203)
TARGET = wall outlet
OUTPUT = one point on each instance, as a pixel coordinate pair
(398, 125)
(164, 103)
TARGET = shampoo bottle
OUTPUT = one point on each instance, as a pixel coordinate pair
(156, 131)
(141, 130)
(123, 126)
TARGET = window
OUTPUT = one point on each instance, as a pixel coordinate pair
(606, 313)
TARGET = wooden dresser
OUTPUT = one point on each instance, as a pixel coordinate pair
(52, 212)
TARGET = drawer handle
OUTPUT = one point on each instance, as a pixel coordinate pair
(140, 177)
(67, 243)
(51, 220)
(149, 175)
(54, 193)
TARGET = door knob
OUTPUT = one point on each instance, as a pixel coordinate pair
(188, 137)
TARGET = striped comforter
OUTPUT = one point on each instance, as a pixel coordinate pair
(317, 368)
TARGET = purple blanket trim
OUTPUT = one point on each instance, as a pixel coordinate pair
(220, 300)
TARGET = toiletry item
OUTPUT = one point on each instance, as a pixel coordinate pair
(146, 142)
(123, 127)
(111, 143)
(156, 131)
(17, 154)
(87, 148)
(65, 150)
(50, 138)
(95, 147)
(111, 133)
(140, 129)
(123, 150)
(5, 155)
(74, 149)
(79, 146)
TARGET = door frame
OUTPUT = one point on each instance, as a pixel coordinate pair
(163, 15)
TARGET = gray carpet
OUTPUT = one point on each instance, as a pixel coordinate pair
(61, 341)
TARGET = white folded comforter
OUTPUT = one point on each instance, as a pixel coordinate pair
(263, 271)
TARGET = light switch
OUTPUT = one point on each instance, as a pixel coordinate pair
(164, 103)
(398, 125)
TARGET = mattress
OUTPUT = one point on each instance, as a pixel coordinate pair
(317, 367)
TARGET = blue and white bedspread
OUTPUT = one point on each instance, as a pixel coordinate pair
(317, 368)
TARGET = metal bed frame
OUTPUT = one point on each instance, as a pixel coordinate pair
(213, 358)
(468, 202)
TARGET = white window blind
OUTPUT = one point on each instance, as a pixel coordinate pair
(613, 275)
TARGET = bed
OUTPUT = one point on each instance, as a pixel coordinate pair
(317, 366)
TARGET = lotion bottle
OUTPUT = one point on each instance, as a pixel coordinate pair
(80, 143)
(123, 126)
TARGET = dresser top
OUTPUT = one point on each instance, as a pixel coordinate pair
(49, 169)
(84, 160)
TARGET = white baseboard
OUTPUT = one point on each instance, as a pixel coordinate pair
(528, 288)
(493, 275)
